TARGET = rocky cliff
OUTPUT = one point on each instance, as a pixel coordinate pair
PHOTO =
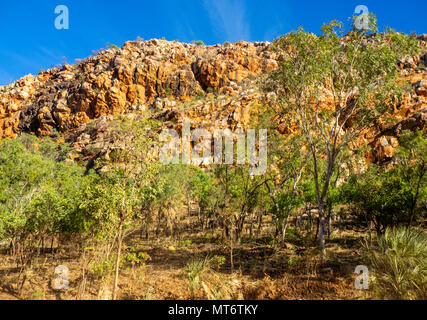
(210, 85)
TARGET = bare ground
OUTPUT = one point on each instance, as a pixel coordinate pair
(262, 270)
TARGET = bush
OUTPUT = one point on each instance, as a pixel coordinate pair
(36, 192)
(201, 273)
(195, 270)
(168, 91)
(384, 197)
(398, 265)
(198, 42)
(112, 46)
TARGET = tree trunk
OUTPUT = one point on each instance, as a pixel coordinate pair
(231, 251)
(12, 247)
(310, 219)
(259, 225)
(159, 221)
(251, 227)
(329, 221)
(52, 241)
(285, 227)
(83, 284)
(119, 252)
(322, 231)
(239, 228)
(288, 213)
(317, 229)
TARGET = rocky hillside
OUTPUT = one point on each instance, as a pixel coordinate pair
(210, 85)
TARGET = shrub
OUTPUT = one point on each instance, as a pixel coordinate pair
(112, 46)
(195, 270)
(168, 91)
(201, 273)
(200, 96)
(187, 242)
(399, 265)
(38, 295)
(198, 42)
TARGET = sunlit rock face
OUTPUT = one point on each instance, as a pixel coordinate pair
(213, 86)
(129, 79)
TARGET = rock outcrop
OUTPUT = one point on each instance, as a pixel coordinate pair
(214, 86)
(132, 78)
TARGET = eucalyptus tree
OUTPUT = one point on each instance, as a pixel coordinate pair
(57, 201)
(331, 88)
(201, 186)
(23, 171)
(239, 193)
(283, 178)
(114, 203)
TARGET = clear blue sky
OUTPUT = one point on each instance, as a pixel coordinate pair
(30, 42)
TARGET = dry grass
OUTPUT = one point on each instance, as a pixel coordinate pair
(262, 271)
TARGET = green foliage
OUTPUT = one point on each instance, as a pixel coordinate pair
(218, 261)
(200, 96)
(411, 165)
(134, 258)
(105, 203)
(112, 46)
(52, 208)
(357, 73)
(202, 272)
(38, 194)
(198, 42)
(293, 261)
(237, 193)
(210, 90)
(312, 63)
(168, 91)
(38, 295)
(41, 196)
(120, 194)
(372, 23)
(202, 184)
(195, 270)
(283, 193)
(398, 265)
(391, 196)
(187, 242)
(383, 198)
(103, 267)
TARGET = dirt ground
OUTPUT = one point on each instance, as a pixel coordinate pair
(262, 270)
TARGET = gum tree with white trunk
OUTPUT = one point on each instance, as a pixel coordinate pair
(331, 88)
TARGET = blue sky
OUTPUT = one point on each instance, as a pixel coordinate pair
(30, 42)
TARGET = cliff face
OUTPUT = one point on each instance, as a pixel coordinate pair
(123, 80)
(169, 78)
